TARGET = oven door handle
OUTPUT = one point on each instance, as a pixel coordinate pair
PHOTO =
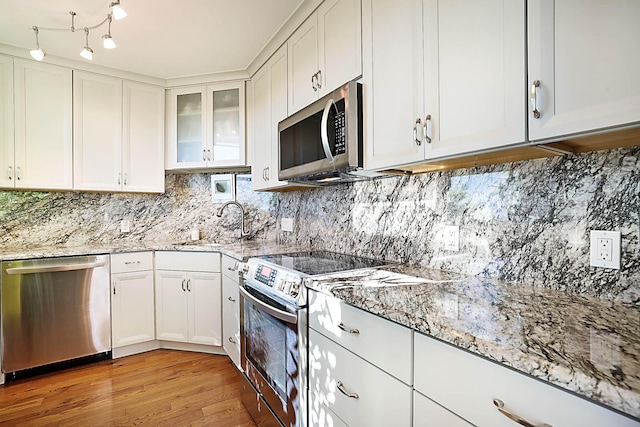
(278, 314)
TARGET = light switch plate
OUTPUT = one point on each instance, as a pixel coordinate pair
(605, 249)
(286, 224)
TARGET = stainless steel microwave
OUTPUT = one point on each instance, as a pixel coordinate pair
(322, 143)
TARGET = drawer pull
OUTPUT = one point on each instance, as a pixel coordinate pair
(231, 299)
(500, 405)
(232, 341)
(347, 330)
(131, 262)
(345, 392)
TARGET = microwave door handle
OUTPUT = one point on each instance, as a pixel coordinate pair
(323, 131)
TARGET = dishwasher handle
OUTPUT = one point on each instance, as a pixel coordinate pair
(55, 268)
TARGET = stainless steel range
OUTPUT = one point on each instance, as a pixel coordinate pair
(274, 331)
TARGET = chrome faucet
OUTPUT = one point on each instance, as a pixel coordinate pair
(244, 234)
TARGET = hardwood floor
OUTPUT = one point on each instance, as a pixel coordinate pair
(159, 388)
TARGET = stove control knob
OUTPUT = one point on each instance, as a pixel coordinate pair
(294, 289)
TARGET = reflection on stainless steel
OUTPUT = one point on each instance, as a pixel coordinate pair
(54, 310)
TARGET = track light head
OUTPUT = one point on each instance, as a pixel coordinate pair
(87, 52)
(38, 53)
(117, 10)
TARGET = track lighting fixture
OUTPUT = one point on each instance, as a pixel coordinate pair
(87, 52)
(116, 12)
(38, 53)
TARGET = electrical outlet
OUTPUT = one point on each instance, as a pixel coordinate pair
(125, 226)
(286, 224)
(605, 249)
(451, 237)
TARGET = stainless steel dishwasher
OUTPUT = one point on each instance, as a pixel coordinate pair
(53, 310)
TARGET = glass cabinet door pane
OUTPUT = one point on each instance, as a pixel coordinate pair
(226, 125)
(189, 127)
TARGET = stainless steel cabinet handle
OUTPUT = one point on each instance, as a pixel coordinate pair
(417, 134)
(231, 299)
(345, 392)
(232, 341)
(266, 173)
(319, 79)
(125, 179)
(131, 262)
(18, 173)
(183, 282)
(119, 178)
(189, 285)
(231, 268)
(209, 155)
(500, 405)
(314, 85)
(204, 155)
(10, 172)
(427, 129)
(347, 330)
(114, 288)
(534, 99)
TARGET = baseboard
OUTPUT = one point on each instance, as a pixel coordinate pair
(170, 345)
(135, 349)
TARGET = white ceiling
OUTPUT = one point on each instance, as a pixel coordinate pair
(159, 38)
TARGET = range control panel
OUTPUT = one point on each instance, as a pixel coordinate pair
(266, 275)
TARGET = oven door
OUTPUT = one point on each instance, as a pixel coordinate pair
(270, 353)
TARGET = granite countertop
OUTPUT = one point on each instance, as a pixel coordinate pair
(587, 345)
(236, 249)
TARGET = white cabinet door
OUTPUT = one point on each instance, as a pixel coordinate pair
(6, 122)
(186, 139)
(43, 132)
(205, 308)
(132, 308)
(97, 132)
(393, 82)
(225, 125)
(356, 391)
(339, 43)
(474, 63)
(269, 108)
(585, 56)
(302, 48)
(172, 321)
(143, 138)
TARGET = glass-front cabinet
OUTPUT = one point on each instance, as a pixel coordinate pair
(206, 126)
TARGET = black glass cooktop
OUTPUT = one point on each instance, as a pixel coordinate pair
(314, 263)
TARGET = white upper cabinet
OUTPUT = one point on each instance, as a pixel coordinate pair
(43, 131)
(441, 78)
(474, 75)
(6, 121)
(143, 137)
(325, 52)
(393, 82)
(206, 126)
(118, 135)
(97, 131)
(269, 107)
(585, 56)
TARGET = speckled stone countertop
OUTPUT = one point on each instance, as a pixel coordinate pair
(235, 249)
(587, 345)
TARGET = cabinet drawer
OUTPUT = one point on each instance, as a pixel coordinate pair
(467, 385)
(427, 413)
(381, 342)
(229, 267)
(133, 261)
(231, 335)
(230, 296)
(381, 399)
(188, 261)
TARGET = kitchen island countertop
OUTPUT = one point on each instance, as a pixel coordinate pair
(586, 345)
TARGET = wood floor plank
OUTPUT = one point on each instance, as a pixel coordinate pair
(161, 387)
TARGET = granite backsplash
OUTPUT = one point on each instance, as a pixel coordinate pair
(525, 222)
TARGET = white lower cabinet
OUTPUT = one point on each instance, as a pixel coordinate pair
(353, 389)
(427, 413)
(469, 385)
(360, 366)
(132, 302)
(188, 293)
(230, 310)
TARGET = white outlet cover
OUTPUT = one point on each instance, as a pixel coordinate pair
(595, 259)
(451, 238)
(125, 226)
(286, 224)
